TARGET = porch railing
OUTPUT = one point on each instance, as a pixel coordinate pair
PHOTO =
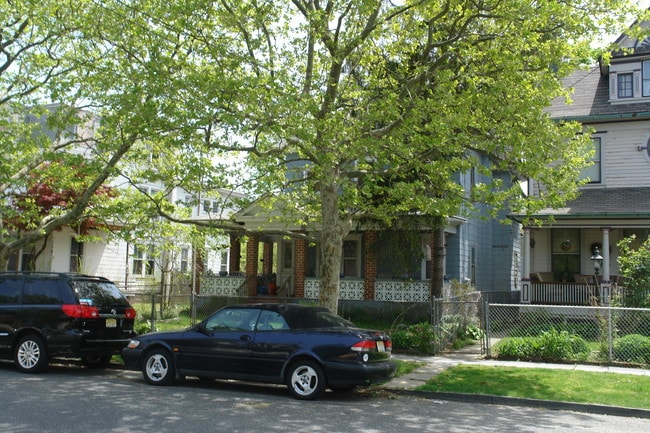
(564, 294)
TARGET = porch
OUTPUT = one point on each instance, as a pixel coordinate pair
(349, 288)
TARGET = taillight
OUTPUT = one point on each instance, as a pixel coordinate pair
(129, 313)
(80, 311)
(388, 344)
(364, 346)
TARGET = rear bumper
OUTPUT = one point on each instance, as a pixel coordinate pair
(359, 374)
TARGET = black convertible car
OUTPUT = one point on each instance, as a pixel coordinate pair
(307, 348)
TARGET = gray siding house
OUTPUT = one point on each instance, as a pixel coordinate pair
(558, 257)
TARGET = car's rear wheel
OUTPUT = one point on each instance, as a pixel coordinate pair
(306, 380)
(97, 361)
(30, 355)
(158, 367)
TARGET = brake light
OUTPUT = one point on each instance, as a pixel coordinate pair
(364, 346)
(129, 313)
(80, 311)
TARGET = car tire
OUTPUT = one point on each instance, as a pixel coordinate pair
(30, 355)
(306, 380)
(158, 367)
(97, 361)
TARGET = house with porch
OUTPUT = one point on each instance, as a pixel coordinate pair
(479, 251)
(571, 258)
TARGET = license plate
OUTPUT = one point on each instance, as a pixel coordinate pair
(380, 346)
(111, 323)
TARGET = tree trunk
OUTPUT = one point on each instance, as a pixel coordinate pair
(438, 259)
(331, 246)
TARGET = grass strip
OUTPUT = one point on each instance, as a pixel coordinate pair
(612, 389)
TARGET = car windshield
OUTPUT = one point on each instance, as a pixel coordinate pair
(98, 293)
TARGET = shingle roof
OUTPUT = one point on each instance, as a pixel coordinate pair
(606, 203)
(591, 100)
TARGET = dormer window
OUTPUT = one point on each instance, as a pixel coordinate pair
(625, 88)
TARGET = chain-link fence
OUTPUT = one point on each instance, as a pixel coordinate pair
(568, 333)
(458, 319)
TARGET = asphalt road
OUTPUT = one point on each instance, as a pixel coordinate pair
(71, 399)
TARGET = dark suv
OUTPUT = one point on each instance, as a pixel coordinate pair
(47, 315)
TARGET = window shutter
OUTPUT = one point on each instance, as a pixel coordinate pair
(612, 86)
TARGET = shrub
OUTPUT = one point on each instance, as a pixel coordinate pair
(633, 348)
(419, 338)
(550, 345)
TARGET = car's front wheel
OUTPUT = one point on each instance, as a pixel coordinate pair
(158, 367)
(30, 355)
(306, 380)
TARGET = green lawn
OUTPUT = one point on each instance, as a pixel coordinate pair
(613, 389)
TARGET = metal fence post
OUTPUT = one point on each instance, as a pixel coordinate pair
(486, 321)
(193, 308)
(153, 312)
(610, 340)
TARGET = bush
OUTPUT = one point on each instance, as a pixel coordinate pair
(419, 338)
(551, 345)
(633, 348)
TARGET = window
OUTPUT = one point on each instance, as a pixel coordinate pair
(472, 265)
(351, 260)
(593, 172)
(645, 71)
(185, 254)
(10, 289)
(625, 88)
(233, 319)
(41, 291)
(143, 263)
(27, 262)
(76, 255)
(210, 206)
(271, 321)
(224, 261)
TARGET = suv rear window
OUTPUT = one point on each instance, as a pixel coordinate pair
(98, 293)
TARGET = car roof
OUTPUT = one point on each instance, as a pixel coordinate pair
(301, 316)
(68, 276)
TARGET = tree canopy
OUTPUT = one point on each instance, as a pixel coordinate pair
(340, 111)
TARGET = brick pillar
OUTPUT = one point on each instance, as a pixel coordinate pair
(300, 268)
(252, 246)
(370, 265)
(235, 254)
(267, 265)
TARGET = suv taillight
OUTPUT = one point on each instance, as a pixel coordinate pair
(129, 313)
(80, 311)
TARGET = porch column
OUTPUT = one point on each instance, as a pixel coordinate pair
(526, 289)
(370, 265)
(267, 260)
(605, 286)
(252, 257)
(300, 268)
(235, 254)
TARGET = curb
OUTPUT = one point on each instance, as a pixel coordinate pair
(525, 402)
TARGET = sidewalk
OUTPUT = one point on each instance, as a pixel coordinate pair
(435, 364)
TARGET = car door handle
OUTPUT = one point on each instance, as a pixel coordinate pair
(245, 337)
